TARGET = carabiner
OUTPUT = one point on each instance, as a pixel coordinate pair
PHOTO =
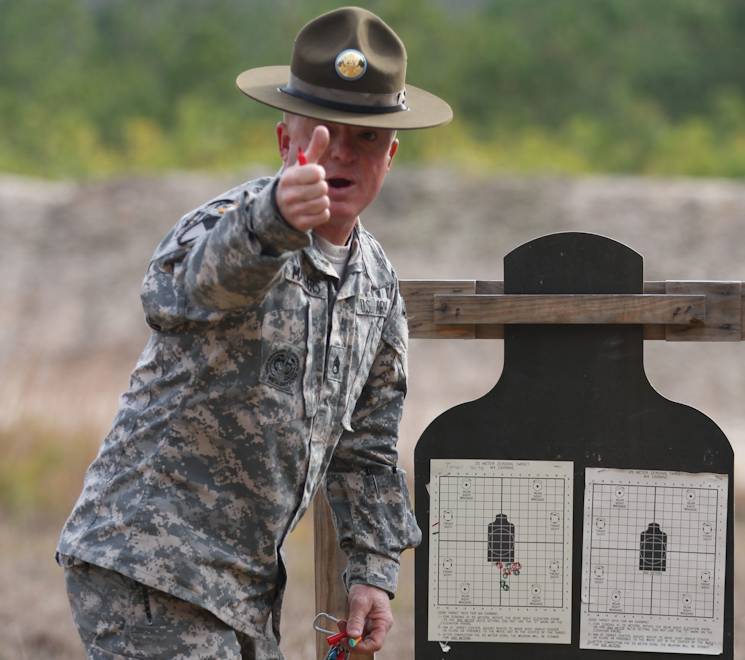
(317, 626)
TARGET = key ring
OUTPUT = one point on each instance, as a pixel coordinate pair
(317, 625)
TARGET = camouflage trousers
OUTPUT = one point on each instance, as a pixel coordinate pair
(118, 618)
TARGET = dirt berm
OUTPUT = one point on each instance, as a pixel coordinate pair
(74, 255)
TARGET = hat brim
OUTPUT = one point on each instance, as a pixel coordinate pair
(425, 110)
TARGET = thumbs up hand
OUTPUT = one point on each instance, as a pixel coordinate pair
(319, 142)
(302, 191)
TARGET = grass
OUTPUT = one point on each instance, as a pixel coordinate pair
(42, 468)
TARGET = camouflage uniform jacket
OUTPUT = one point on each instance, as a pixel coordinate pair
(259, 378)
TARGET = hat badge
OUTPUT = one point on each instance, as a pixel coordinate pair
(350, 64)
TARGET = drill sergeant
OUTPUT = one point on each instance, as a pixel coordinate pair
(277, 358)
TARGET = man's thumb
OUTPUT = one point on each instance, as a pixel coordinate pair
(355, 624)
(319, 142)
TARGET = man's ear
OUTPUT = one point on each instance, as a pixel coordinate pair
(283, 141)
(392, 151)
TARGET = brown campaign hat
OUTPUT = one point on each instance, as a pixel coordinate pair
(347, 67)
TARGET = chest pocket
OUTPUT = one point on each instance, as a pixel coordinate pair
(369, 315)
(294, 339)
(284, 348)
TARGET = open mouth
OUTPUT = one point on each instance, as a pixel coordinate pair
(339, 182)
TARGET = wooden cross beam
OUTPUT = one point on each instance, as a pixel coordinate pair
(670, 310)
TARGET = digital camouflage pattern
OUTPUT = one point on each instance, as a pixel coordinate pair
(259, 378)
(119, 618)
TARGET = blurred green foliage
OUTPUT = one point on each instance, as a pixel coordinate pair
(92, 88)
(43, 466)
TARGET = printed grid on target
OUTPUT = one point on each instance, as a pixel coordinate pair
(490, 525)
(653, 550)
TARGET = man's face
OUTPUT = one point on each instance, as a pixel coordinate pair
(356, 161)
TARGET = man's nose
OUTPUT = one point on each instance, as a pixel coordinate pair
(341, 147)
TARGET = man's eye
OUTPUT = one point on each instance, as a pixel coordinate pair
(369, 136)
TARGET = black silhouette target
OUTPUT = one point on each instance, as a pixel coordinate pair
(653, 549)
(572, 393)
(500, 540)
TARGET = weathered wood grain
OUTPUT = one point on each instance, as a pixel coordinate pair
(723, 311)
(418, 295)
(570, 308)
(724, 319)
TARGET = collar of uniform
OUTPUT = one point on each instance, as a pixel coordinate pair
(378, 270)
(356, 261)
(318, 259)
(363, 258)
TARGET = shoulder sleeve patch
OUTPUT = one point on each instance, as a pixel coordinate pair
(203, 219)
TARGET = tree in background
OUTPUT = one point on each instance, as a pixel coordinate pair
(91, 88)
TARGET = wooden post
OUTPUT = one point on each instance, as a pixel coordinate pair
(331, 596)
